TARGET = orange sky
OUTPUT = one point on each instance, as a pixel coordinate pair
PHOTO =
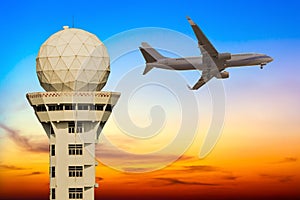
(257, 155)
(241, 165)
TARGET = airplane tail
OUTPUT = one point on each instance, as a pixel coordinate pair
(150, 55)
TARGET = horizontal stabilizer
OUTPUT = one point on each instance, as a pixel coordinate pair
(150, 55)
(147, 69)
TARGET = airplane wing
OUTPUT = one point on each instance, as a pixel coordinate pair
(209, 56)
(203, 42)
(205, 77)
(209, 72)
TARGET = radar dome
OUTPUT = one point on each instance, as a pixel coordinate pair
(72, 60)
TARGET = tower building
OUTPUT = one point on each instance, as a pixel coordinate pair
(72, 66)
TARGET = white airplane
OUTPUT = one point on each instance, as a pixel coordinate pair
(211, 63)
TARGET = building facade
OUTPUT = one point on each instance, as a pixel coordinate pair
(73, 122)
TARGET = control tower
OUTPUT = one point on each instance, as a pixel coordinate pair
(72, 66)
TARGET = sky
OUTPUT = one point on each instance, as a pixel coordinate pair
(155, 143)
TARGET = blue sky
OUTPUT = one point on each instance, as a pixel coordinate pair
(263, 26)
(235, 26)
(26, 24)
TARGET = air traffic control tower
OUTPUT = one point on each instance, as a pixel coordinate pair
(72, 66)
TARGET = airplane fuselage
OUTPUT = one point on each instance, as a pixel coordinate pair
(195, 63)
(211, 62)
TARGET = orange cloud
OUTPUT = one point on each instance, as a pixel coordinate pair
(280, 178)
(33, 173)
(24, 142)
(174, 181)
(11, 167)
(286, 160)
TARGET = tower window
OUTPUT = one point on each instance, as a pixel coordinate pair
(75, 127)
(51, 130)
(83, 107)
(75, 193)
(108, 108)
(52, 172)
(99, 106)
(75, 149)
(71, 127)
(40, 108)
(70, 106)
(59, 107)
(52, 149)
(79, 128)
(53, 193)
(92, 107)
(75, 171)
(51, 107)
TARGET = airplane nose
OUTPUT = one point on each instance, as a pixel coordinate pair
(269, 59)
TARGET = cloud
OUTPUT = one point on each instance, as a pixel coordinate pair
(286, 160)
(99, 179)
(24, 142)
(280, 178)
(205, 170)
(230, 177)
(196, 169)
(284, 179)
(11, 167)
(174, 181)
(185, 158)
(36, 173)
(201, 168)
(33, 173)
(104, 152)
(137, 169)
(120, 159)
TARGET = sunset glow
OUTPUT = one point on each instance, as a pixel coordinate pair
(257, 153)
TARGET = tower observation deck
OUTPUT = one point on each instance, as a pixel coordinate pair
(72, 66)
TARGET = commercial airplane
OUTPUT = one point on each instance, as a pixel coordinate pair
(211, 63)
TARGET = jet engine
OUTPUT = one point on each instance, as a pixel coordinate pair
(223, 75)
(224, 56)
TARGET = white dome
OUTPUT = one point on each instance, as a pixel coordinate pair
(72, 60)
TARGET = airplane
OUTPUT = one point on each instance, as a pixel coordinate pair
(211, 63)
